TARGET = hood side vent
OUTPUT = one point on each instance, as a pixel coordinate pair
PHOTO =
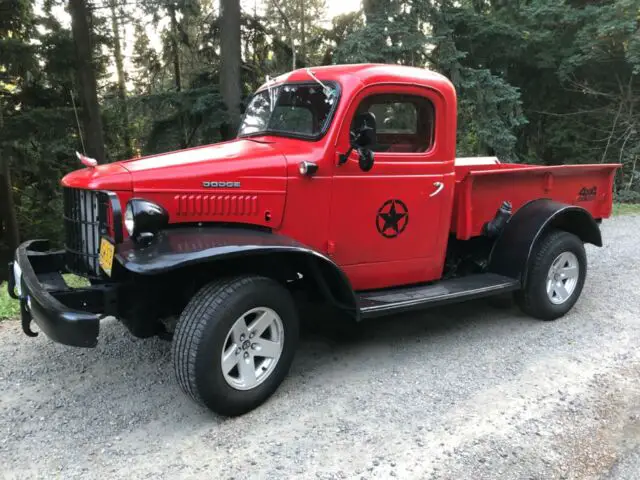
(216, 205)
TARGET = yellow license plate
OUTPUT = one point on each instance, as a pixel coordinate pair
(106, 255)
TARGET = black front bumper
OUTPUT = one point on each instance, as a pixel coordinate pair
(66, 315)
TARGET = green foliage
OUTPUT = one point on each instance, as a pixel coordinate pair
(200, 111)
(626, 209)
(388, 32)
(74, 281)
(296, 23)
(490, 113)
(9, 308)
(422, 34)
(628, 197)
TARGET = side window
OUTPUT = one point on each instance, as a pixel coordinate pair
(404, 123)
(396, 117)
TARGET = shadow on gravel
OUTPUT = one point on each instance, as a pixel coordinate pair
(426, 325)
(133, 379)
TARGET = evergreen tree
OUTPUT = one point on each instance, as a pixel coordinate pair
(297, 23)
(424, 34)
(16, 62)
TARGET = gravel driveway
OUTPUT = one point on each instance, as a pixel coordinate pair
(465, 392)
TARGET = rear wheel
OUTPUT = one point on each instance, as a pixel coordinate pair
(556, 274)
(235, 342)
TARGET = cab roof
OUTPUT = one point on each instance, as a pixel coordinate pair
(370, 73)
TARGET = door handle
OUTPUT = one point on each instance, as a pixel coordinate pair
(439, 186)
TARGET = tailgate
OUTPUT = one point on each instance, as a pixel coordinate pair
(479, 193)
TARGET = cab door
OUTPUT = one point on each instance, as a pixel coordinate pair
(389, 226)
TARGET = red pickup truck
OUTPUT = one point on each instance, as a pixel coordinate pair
(342, 188)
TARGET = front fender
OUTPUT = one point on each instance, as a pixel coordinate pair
(512, 251)
(178, 248)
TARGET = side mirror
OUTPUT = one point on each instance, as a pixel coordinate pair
(366, 159)
(363, 135)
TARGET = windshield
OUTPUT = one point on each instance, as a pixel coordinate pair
(298, 110)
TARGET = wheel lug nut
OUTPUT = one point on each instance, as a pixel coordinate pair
(241, 337)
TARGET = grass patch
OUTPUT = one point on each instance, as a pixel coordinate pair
(74, 281)
(626, 208)
(9, 308)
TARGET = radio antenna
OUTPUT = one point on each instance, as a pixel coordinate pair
(75, 111)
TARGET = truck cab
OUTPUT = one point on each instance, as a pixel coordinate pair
(389, 225)
(342, 188)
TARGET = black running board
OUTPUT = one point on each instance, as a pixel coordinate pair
(386, 302)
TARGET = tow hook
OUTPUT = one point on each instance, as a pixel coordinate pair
(25, 315)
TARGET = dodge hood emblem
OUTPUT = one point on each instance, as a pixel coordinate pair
(221, 184)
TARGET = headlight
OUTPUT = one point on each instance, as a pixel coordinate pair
(143, 219)
(129, 222)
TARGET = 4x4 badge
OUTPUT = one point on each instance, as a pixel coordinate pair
(585, 194)
(392, 218)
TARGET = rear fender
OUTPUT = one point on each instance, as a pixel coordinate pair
(512, 251)
(220, 248)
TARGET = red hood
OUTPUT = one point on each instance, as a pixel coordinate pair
(254, 164)
(112, 176)
(186, 170)
(242, 181)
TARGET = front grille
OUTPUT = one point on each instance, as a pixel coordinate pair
(85, 221)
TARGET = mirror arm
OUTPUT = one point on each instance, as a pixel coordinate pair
(342, 159)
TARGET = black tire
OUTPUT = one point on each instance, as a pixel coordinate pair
(533, 299)
(202, 331)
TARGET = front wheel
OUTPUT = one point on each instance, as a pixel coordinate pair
(556, 273)
(235, 342)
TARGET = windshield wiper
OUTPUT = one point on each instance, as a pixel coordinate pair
(328, 91)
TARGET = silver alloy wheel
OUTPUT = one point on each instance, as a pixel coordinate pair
(562, 278)
(252, 348)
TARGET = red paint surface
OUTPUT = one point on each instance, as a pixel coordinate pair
(335, 211)
(480, 191)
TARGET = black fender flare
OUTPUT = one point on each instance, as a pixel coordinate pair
(512, 250)
(177, 248)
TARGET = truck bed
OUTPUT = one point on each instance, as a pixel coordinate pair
(483, 183)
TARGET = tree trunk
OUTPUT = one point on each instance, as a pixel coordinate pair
(230, 86)
(9, 230)
(122, 87)
(174, 47)
(11, 235)
(177, 72)
(87, 80)
(303, 39)
(293, 51)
